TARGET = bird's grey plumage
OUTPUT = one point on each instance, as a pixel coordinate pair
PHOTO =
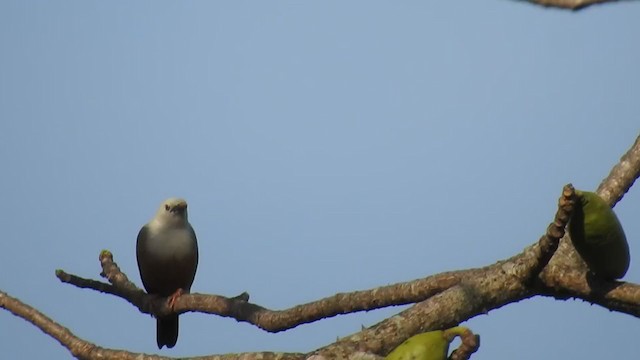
(167, 253)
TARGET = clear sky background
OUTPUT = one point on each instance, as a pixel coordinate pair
(323, 147)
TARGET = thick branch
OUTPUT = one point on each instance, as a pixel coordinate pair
(617, 296)
(269, 320)
(622, 176)
(83, 349)
(481, 290)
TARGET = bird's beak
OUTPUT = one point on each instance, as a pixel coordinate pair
(181, 206)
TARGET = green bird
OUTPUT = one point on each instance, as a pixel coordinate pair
(432, 345)
(598, 236)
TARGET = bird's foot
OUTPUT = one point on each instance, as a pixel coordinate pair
(174, 297)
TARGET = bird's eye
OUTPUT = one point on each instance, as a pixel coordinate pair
(167, 207)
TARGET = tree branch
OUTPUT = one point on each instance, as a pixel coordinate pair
(83, 349)
(270, 320)
(441, 301)
(570, 4)
(622, 176)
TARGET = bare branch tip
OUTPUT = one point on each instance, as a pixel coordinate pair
(62, 275)
(105, 255)
(568, 190)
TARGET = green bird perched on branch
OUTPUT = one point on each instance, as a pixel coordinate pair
(598, 236)
(432, 345)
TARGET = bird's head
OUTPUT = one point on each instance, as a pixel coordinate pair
(173, 210)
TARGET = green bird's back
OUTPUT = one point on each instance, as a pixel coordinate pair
(598, 236)
(431, 345)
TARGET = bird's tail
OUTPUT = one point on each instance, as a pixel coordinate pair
(167, 331)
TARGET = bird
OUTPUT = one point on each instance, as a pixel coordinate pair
(598, 236)
(432, 345)
(167, 255)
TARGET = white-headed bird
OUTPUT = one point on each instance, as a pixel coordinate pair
(167, 253)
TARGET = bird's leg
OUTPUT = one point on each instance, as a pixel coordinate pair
(174, 297)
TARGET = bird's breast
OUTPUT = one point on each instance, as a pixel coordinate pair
(171, 244)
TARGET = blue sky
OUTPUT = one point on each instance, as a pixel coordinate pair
(322, 146)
